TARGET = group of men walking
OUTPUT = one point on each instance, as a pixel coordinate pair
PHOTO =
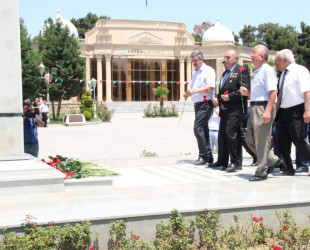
(289, 100)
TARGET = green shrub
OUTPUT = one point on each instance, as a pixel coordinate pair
(87, 105)
(87, 115)
(207, 224)
(48, 237)
(104, 113)
(119, 239)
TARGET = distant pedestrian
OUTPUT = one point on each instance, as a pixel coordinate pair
(44, 110)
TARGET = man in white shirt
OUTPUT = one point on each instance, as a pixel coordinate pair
(294, 108)
(44, 110)
(263, 95)
(201, 92)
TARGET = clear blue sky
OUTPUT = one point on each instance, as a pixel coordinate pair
(233, 14)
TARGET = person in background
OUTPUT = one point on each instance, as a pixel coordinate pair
(44, 110)
(214, 124)
(31, 123)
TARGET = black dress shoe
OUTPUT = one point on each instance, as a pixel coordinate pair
(258, 178)
(210, 160)
(301, 170)
(217, 165)
(283, 173)
(233, 168)
(200, 161)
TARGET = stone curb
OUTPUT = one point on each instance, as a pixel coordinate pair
(91, 181)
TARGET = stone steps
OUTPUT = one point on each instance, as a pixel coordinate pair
(29, 176)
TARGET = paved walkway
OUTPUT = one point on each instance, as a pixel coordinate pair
(125, 137)
(146, 185)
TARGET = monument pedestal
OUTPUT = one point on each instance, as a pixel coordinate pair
(29, 177)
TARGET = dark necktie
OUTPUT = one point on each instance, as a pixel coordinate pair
(224, 77)
(280, 95)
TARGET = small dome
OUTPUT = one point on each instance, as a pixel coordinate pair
(72, 28)
(218, 33)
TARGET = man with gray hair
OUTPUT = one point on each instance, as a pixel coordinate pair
(201, 92)
(233, 107)
(263, 95)
(294, 108)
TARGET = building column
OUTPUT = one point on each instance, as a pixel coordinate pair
(99, 78)
(188, 73)
(181, 62)
(88, 70)
(108, 78)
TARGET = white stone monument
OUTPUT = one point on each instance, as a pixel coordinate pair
(19, 173)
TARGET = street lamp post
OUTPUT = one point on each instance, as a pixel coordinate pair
(92, 86)
(48, 77)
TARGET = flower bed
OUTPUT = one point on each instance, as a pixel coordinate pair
(157, 111)
(205, 232)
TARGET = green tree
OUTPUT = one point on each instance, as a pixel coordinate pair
(248, 35)
(61, 50)
(30, 60)
(161, 92)
(276, 37)
(236, 37)
(199, 30)
(303, 47)
(86, 23)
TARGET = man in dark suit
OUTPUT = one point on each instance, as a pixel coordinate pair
(233, 108)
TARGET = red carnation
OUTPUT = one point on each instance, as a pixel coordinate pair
(115, 243)
(91, 248)
(207, 89)
(241, 69)
(254, 219)
(56, 160)
(205, 99)
(51, 164)
(261, 224)
(285, 228)
(26, 107)
(43, 160)
(226, 92)
(136, 237)
(71, 173)
(276, 247)
(261, 219)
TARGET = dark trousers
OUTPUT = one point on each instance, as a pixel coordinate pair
(291, 130)
(203, 112)
(230, 143)
(301, 162)
(44, 119)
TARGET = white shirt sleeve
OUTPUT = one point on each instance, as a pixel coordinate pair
(270, 79)
(210, 76)
(304, 80)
